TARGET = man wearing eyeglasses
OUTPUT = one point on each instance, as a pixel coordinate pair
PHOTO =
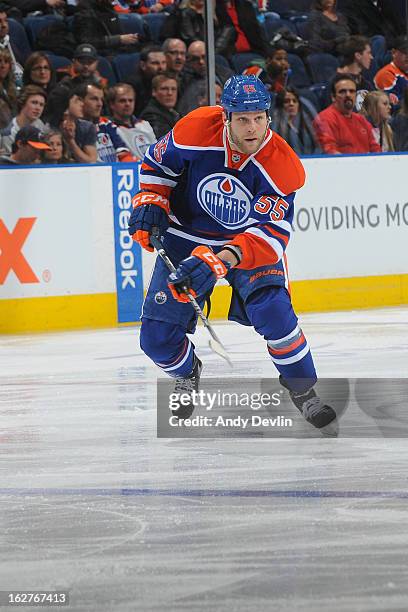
(175, 51)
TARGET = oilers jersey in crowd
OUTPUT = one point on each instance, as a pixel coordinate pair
(109, 145)
(218, 195)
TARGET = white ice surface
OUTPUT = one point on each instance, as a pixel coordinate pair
(92, 502)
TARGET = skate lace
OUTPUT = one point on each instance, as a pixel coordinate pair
(184, 385)
(312, 407)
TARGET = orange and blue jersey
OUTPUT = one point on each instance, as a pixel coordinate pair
(219, 196)
(392, 80)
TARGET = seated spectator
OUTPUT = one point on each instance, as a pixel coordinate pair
(327, 29)
(7, 43)
(191, 25)
(373, 17)
(27, 147)
(393, 77)
(399, 123)
(58, 152)
(377, 110)
(136, 133)
(294, 122)
(65, 112)
(83, 68)
(175, 51)
(274, 72)
(239, 30)
(193, 77)
(161, 112)
(96, 23)
(110, 146)
(338, 128)
(152, 62)
(30, 106)
(357, 57)
(8, 93)
(39, 71)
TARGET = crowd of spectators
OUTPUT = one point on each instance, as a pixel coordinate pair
(101, 80)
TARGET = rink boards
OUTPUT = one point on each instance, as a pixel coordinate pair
(66, 260)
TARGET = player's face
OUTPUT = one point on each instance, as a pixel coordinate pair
(93, 103)
(124, 103)
(365, 58)
(345, 96)
(34, 107)
(248, 130)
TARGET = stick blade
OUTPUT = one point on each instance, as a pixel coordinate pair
(218, 348)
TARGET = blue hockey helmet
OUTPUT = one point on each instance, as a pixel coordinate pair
(245, 93)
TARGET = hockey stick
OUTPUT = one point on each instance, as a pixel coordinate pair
(215, 343)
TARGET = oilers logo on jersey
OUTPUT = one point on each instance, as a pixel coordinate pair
(225, 198)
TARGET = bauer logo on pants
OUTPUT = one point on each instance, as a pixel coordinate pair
(225, 198)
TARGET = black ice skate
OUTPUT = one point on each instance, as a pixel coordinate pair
(317, 413)
(187, 385)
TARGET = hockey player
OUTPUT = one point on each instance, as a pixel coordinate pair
(220, 187)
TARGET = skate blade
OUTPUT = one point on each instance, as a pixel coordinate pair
(331, 430)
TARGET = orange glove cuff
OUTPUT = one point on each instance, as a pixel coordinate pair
(210, 258)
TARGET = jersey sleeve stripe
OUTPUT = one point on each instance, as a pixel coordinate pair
(272, 242)
(161, 167)
(157, 180)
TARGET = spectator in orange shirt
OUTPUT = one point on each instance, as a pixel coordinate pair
(393, 77)
(338, 128)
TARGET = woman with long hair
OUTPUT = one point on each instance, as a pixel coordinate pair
(376, 109)
(8, 91)
(293, 121)
(59, 153)
(38, 70)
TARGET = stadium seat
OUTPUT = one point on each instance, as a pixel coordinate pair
(299, 77)
(19, 37)
(379, 49)
(133, 24)
(222, 61)
(34, 25)
(124, 65)
(320, 91)
(322, 66)
(58, 61)
(278, 6)
(106, 70)
(154, 22)
(302, 29)
(240, 61)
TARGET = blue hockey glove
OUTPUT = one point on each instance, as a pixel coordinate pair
(150, 210)
(197, 273)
